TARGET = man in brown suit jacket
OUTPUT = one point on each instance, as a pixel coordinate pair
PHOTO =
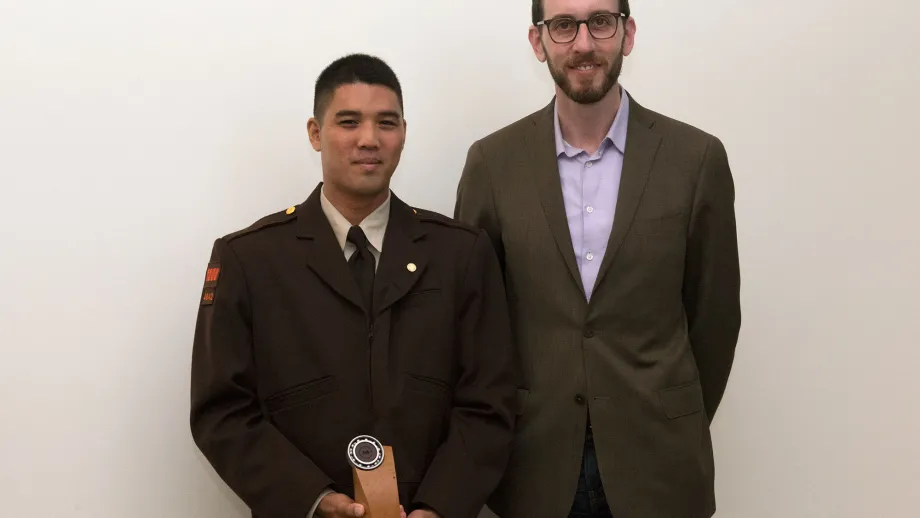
(616, 233)
(353, 314)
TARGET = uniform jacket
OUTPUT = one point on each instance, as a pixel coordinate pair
(649, 356)
(288, 367)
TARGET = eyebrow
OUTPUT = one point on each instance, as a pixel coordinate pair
(568, 15)
(355, 113)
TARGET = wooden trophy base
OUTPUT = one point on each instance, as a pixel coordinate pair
(376, 489)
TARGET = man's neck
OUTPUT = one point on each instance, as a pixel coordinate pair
(355, 209)
(585, 126)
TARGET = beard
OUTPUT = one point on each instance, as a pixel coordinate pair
(589, 95)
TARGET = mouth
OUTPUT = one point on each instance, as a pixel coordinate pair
(368, 164)
(585, 67)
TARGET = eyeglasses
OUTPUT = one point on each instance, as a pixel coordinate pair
(602, 26)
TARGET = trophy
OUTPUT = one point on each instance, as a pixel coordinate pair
(374, 474)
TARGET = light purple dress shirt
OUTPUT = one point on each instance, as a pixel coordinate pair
(590, 187)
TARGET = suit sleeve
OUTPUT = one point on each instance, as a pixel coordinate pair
(712, 281)
(255, 460)
(470, 462)
(475, 204)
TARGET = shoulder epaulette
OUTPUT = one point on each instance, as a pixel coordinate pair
(428, 216)
(271, 220)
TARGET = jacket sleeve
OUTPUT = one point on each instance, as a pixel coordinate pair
(475, 204)
(711, 291)
(470, 462)
(256, 461)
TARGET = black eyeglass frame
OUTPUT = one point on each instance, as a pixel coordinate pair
(616, 16)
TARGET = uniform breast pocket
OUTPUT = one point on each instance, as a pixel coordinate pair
(420, 298)
(422, 330)
(418, 315)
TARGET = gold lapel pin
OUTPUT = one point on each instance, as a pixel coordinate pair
(290, 211)
(411, 267)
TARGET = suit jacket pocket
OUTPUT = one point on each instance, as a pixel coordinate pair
(682, 400)
(300, 394)
(663, 225)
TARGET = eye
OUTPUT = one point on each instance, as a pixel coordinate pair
(348, 122)
(391, 124)
(563, 24)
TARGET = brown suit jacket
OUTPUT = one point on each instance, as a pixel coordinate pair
(287, 366)
(650, 356)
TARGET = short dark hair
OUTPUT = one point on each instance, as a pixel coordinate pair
(354, 68)
(537, 10)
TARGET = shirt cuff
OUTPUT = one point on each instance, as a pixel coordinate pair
(318, 500)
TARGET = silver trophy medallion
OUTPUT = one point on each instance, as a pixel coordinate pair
(365, 453)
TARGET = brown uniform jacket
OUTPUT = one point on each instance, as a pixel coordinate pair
(287, 369)
(649, 356)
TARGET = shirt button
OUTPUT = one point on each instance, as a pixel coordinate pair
(589, 165)
(590, 209)
(590, 256)
(580, 399)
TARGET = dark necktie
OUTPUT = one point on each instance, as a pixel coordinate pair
(362, 265)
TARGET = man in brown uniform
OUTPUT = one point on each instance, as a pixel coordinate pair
(354, 314)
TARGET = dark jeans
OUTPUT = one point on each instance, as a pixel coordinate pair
(590, 501)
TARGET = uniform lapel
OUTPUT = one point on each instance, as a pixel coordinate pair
(642, 144)
(545, 167)
(324, 256)
(402, 261)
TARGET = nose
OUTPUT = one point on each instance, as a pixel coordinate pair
(584, 42)
(367, 136)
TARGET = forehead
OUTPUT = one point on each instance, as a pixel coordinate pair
(579, 8)
(364, 98)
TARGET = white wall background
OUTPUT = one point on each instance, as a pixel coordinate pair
(132, 133)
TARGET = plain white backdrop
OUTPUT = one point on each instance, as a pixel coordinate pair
(133, 133)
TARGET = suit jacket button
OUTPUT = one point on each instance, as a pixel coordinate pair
(580, 399)
(589, 333)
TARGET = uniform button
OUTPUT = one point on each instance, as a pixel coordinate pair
(589, 333)
(579, 399)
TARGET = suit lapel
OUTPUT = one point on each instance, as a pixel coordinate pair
(545, 166)
(641, 147)
(324, 256)
(402, 261)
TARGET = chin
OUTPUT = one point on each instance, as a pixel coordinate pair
(368, 189)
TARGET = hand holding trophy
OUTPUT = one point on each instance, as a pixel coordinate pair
(374, 473)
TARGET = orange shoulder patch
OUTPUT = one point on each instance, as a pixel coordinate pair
(210, 284)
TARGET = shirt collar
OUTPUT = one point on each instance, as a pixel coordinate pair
(374, 225)
(615, 135)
